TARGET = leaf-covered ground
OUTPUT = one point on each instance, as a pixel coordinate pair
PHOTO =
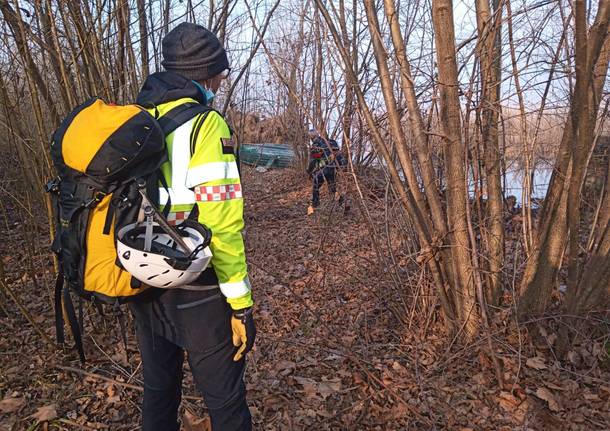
(349, 336)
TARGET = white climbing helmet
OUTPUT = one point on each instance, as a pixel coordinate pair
(162, 262)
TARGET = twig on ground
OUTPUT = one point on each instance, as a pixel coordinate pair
(76, 424)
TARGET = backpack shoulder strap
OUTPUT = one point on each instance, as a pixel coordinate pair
(197, 129)
(180, 115)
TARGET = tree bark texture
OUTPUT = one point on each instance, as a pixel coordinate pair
(489, 52)
(454, 155)
(17, 28)
(143, 37)
(546, 260)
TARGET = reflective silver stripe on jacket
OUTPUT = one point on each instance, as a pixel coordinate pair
(179, 193)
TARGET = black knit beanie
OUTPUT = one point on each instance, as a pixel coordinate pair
(194, 52)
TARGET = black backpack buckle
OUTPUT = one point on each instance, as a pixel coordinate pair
(97, 198)
(52, 186)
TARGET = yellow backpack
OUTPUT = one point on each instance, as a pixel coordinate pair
(104, 154)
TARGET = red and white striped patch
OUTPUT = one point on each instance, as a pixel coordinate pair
(218, 193)
(174, 218)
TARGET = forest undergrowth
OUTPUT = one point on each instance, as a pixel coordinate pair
(344, 341)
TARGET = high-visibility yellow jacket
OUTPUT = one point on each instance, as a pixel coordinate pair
(202, 170)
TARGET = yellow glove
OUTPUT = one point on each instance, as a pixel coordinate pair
(244, 332)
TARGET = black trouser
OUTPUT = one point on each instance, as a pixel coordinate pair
(197, 323)
(327, 174)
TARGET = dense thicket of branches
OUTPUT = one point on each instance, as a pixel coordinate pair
(446, 100)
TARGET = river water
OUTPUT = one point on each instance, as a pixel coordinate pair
(513, 183)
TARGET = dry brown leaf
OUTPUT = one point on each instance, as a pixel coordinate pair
(547, 395)
(12, 371)
(536, 363)
(46, 413)
(399, 411)
(113, 395)
(358, 380)
(590, 397)
(110, 390)
(286, 366)
(480, 378)
(484, 360)
(508, 401)
(387, 379)
(398, 367)
(426, 359)
(11, 404)
(328, 388)
(574, 357)
(310, 386)
(191, 422)
(520, 414)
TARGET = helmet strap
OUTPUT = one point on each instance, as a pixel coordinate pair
(148, 233)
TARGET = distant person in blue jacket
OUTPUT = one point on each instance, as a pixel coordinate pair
(324, 159)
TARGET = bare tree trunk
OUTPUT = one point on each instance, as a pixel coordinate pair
(190, 12)
(542, 268)
(416, 122)
(101, 68)
(50, 36)
(317, 81)
(490, 58)
(221, 24)
(594, 287)
(166, 8)
(93, 77)
(581, 118)
(120, 74)
(13, 129)
(404, 194)
(525, 141)
(131, 74)
(589, 289)
(212, 12)
(457, 194)
(83, 86)
(348, 106)
(398, 134)
(143, 37)
(35, 79)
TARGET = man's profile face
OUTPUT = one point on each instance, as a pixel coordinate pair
(313, 134)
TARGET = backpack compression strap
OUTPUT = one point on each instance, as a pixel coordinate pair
(64, 301)
(59, 317)
(74, 324)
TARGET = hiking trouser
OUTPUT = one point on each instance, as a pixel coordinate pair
(327, 174)
(198, 324)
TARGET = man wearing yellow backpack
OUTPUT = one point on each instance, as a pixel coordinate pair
(210, 319)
